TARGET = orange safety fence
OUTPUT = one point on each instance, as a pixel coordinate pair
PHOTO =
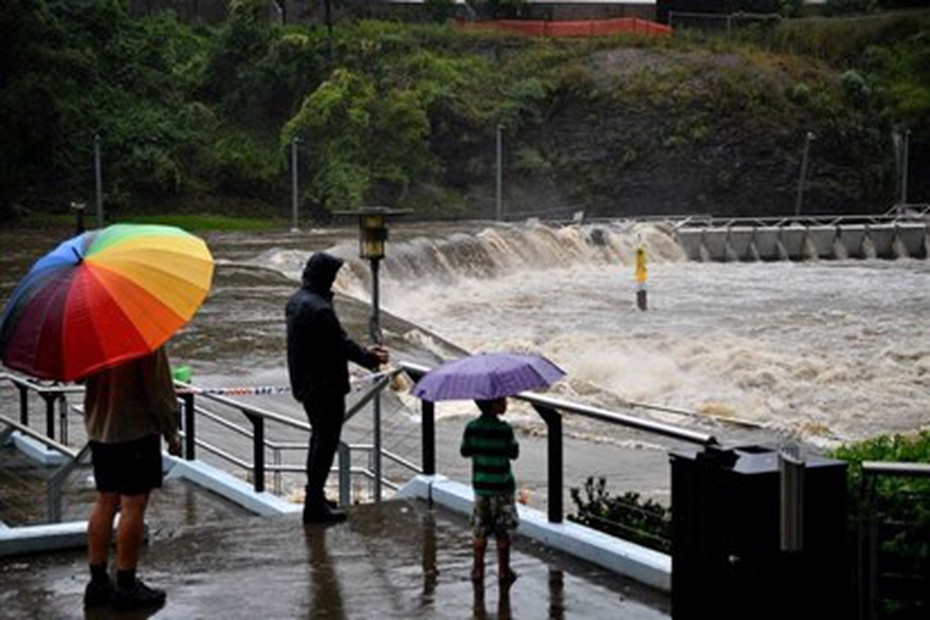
(585, 28)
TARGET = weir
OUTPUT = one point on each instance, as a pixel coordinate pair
(899, 233)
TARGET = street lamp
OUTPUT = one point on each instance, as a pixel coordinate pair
(808, 137)
(373, 233)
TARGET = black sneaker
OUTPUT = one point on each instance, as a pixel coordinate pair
(323, 514)
(98, 594)
(137, 596)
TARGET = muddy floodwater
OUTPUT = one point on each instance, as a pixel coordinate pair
(816, 351)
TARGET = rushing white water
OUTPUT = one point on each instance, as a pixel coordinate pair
(825, 350)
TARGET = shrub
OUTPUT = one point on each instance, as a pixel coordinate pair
(645, 522)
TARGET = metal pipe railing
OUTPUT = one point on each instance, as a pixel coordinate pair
(258, 418)
(867, 565)
(49, 394)
(551, 410)
(55, 481)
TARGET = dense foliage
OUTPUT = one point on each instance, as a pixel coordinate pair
(628, 516)
(901, 507)
(203, 118)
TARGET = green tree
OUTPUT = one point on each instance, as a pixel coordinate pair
(359, 141)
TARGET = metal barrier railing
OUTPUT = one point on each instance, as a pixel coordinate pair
(551, 410)
(52, 394)
(258, 467)
(56, 480)
(869, 538)
(258, 418)
(897, 213)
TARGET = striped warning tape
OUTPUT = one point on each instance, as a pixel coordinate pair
(265, 390)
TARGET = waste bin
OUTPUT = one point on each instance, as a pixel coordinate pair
(728, 560)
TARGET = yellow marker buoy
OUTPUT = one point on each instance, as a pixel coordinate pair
(640, 276)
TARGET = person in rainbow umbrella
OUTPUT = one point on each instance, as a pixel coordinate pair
(99, 309)
(127, 409)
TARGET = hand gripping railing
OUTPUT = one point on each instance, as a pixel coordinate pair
(551, 411)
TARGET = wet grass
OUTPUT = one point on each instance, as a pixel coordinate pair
(211, 222)
(186, 222)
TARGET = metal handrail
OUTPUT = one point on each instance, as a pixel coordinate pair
(49, 393)
(56, 480)
(551, 410)
(893, 215)
(258, 418)
(256, 415)
(34, 434)
(890, 468)
(867, 564)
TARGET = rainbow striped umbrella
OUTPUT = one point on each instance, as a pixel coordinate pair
(104, 297)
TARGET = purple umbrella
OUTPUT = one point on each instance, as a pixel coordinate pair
(487, 376)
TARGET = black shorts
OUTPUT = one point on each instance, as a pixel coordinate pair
(128, 468)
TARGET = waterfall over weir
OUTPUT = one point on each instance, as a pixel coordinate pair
(500, 249)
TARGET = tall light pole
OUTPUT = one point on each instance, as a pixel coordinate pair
(98, 180)
(294, 184)
(500, 176)
(373, 233)
(808, 137)
(907, 139)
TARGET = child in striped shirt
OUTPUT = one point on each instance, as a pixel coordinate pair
(491, 445)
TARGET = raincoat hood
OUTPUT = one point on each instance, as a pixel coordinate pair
(320, 272)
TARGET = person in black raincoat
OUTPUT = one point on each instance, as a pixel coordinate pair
(318, 352)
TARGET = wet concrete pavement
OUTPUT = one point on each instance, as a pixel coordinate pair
(398, 559)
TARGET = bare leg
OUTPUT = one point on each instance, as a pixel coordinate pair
(100, 528)
(480, 545)
(131, 531)
(504, 574)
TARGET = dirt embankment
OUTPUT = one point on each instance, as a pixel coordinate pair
(665, 131)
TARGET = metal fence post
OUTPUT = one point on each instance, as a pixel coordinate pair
(554, 444)
(23, 404)
(376, 452)
(276, 460)
(428, 427)
(871, 561)
(62, 401)
(862, 567)
(49, 414)
(190, 438)
(345, 474)
(258, 451)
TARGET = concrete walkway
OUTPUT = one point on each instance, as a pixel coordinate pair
(399, 559)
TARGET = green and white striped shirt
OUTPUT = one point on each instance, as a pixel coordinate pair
(491, 444)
